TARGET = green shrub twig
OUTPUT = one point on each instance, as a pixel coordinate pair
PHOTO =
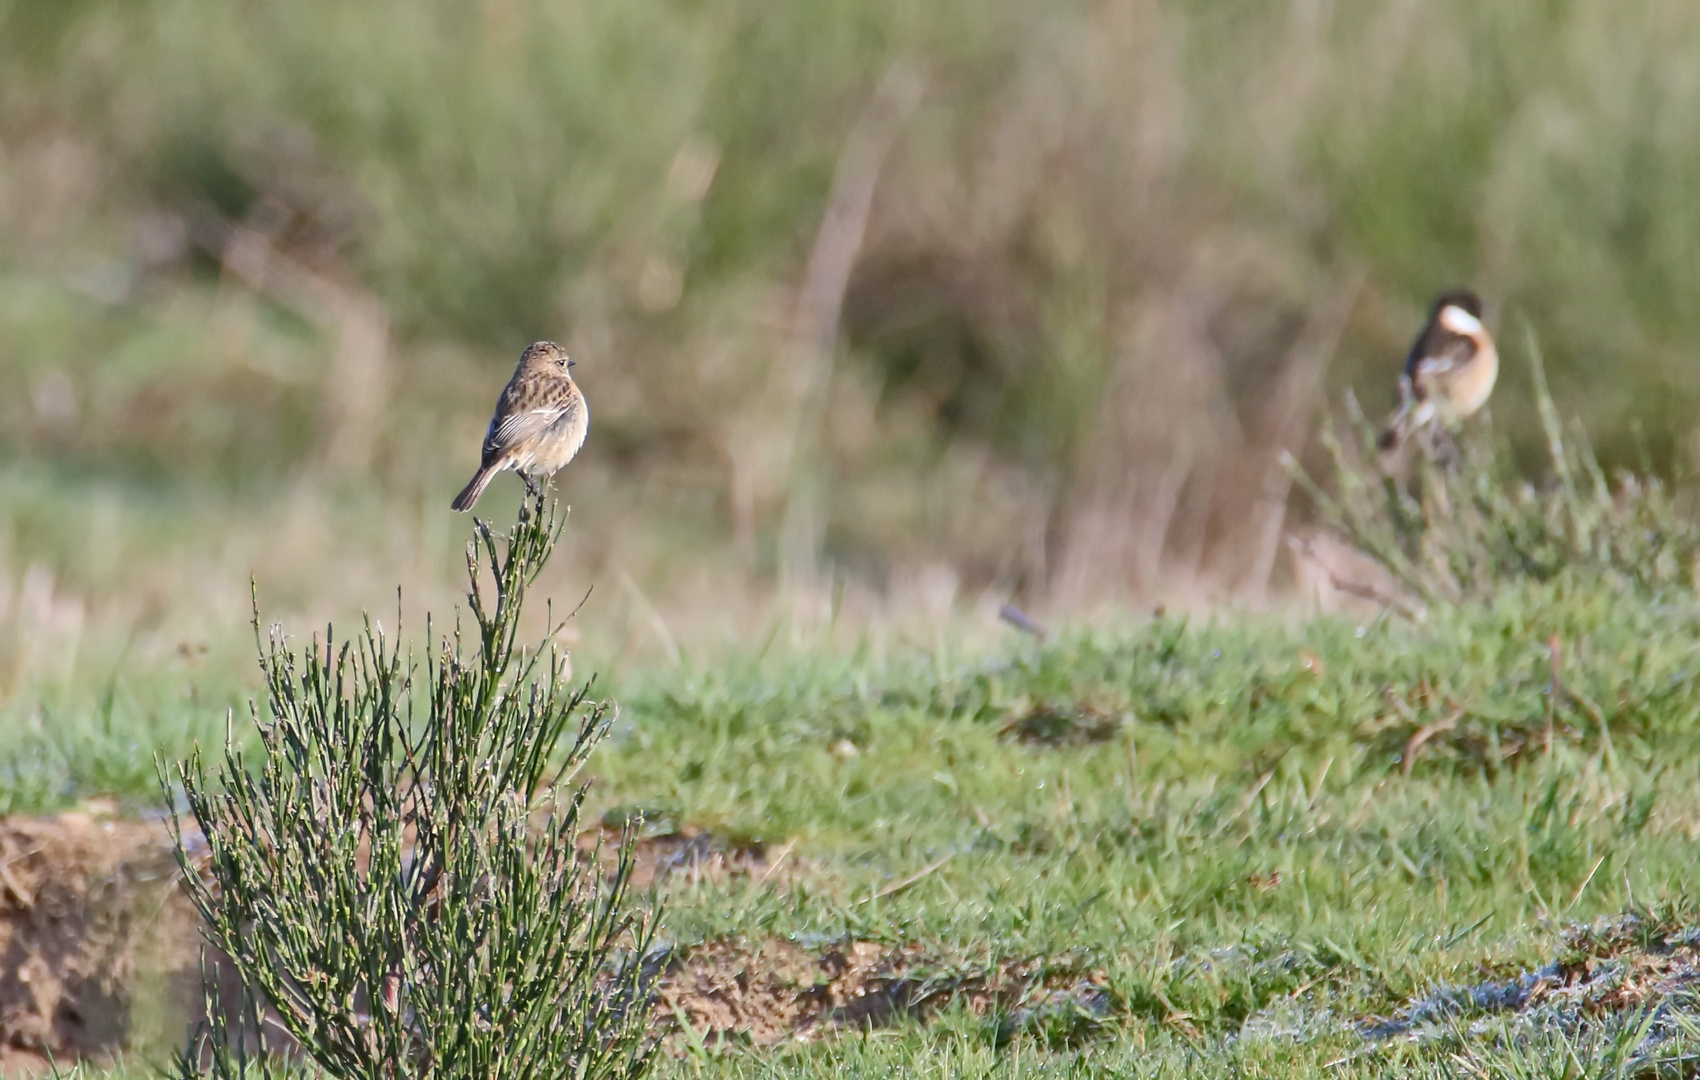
(397, 876)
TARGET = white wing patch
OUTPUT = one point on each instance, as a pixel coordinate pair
(1430, 366)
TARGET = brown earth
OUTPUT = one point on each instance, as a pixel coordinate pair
(775, 990)
(92, 922)
(691, 855)
(81, 902)
(100, 952)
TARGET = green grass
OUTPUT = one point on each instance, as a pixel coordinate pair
(1246, 843)
(1247, 750)
(1074, 173)
(1246, 846)
(1215, 815)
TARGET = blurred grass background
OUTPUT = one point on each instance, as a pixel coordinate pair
(885, 310)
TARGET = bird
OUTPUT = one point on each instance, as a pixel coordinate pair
(1450, 371)
(540, 422)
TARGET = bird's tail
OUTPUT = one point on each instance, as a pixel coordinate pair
(1411, 415)
(474, 488)
(1397, 429)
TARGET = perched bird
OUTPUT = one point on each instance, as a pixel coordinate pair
(1451, 369)
(540, 422)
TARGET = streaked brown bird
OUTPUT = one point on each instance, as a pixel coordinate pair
(540, 422)
(1451, 369)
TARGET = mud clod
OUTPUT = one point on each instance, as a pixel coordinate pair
(75, 894)
(770, 991)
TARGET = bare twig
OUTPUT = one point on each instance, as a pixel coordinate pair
(652, 615)
(778, 858)
(1245, 803)
(23, 896)
(1019, 619)
(1286, 426)
(1414, 744)
(1361, 591)
(912, 879)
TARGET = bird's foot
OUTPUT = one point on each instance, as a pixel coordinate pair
(531, 486)
(1442, 447)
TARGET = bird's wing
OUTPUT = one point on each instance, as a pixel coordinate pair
(1448, 353)
(526, 408)
(514, 429)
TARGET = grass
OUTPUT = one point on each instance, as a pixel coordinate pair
(1248, 853)
(1267, 834)
(1102, 243)
(1244, 844)
(1313, 720)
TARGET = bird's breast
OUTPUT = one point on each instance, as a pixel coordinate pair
(1473, 383)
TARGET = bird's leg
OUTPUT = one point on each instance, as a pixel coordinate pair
(1445, 448)
(531, 485)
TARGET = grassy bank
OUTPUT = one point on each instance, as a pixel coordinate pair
(1213, 847)
(888, 314)
(1237, 847)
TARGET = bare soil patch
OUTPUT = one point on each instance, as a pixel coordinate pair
(91, 919)
(770, 991)
(690, 855)
(79, 896)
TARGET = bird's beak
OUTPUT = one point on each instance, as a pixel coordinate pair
(571, 364)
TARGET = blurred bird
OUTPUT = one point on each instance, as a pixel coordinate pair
(540, 422)
(1451, 369)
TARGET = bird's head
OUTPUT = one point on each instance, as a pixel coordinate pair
(544, 356)
(1459, 310)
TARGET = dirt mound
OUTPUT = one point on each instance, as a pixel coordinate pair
(92, 921)
(689, 855)
(769, 991)
(76, 895)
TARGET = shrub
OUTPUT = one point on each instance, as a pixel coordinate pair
(397, 876)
